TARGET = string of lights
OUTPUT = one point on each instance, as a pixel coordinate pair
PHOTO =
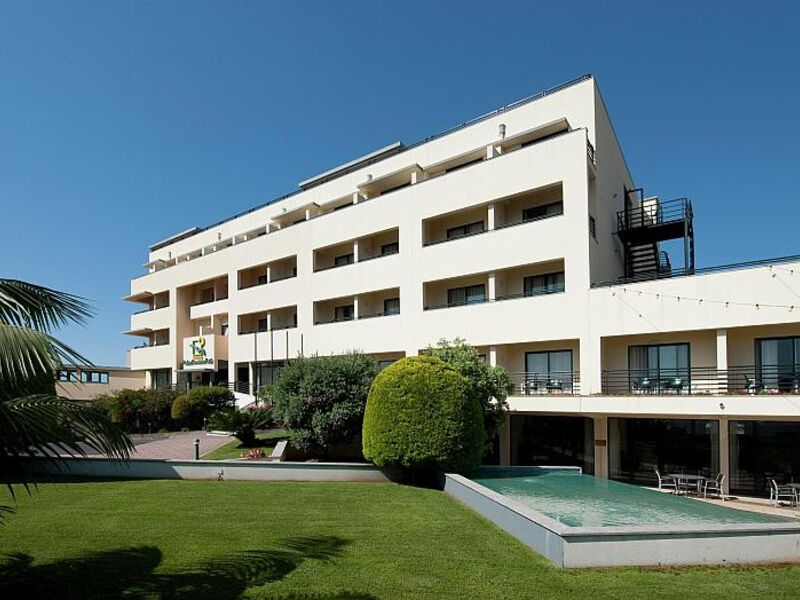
(700, 301)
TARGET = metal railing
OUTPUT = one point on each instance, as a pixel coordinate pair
(591, 153)
(700, 381)
(681, 272)
(366, 258)
(554, 383)
(146, 310)
(655, 213)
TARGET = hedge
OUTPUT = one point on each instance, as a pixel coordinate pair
(198, 404)
(421, 415)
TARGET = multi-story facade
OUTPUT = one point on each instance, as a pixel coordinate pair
(522, 232)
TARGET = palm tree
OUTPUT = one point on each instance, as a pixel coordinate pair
(33, 420)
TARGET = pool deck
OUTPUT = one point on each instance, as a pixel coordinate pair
(650, 545)
(756, 505)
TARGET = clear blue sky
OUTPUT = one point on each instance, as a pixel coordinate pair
(124, 122)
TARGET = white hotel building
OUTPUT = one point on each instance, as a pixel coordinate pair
(523, 232)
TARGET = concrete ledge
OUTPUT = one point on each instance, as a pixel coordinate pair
(574, 547)
(209, 469)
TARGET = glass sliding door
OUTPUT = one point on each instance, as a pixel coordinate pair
(760, 451)
(778, 364)
(543, 441)
(659, 368)
(549, 371)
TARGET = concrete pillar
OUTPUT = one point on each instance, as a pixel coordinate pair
(356, 197)
(269, 274)
(722, 361)
(492, 291)
(505, 442)
(355, 251)
(490, 219)
(355, 308)
(269, 321)
(724, 453)
(601, 447)
(492, 356)
(590, 366)
(416, 177)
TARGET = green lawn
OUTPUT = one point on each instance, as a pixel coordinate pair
(225, 540)
(235, 448)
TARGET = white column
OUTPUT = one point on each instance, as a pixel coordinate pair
(601, 447)
(356, 197)
(416, 177)
(724, 453)
(269, 274)
(722, 360)
(492, 292)
(355, 251)
(269, 321)
(590, 366)
(355, 308)
(490, 217)
(492, 356)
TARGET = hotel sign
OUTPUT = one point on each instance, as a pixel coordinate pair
(198, 353)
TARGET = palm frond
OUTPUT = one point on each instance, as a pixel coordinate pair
(26, 354)
(39, 307)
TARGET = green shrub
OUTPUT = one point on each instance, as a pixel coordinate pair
(138, 411)
(421, 415)
(191, 409)
(321, 399)
(490, 385)
(242, 423)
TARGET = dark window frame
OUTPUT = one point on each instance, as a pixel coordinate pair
(453, 232)
(466, 290)
(541, 211)
(387, 311)
(557, 287)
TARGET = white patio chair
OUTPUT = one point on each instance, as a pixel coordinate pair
(776, 492)
(714, 486)
(666, 483)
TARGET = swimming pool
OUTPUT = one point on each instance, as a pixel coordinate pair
(578, 500)
(578, 520)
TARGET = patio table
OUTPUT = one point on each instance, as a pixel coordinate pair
(680, 477)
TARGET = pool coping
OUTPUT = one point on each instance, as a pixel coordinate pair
(629, 545)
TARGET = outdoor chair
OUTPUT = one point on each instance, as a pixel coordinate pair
(714, 486)
(555, 385)
(674, 384)
(642, 385)
(752, 385)
(666, 483)
(530, 386)
(776, 492)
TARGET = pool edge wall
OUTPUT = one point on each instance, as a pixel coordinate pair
(571, 548)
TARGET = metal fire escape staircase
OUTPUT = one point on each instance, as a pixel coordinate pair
(644, 224)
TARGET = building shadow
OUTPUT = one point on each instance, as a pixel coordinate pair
(131, 573)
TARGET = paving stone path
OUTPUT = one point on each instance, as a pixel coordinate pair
(179, 445)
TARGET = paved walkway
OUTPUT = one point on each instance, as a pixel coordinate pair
(179, 444)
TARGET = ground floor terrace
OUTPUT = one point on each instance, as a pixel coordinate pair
(749, 452)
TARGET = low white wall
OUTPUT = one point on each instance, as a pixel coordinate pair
(209, 469)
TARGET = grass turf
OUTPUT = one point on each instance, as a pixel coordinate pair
(320, 541)
(235, 448)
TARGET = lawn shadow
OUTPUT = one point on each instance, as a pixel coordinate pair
(131, 573)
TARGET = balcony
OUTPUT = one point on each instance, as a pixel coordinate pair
(380, 303)
(153, 357)
(553, 383)
(271, 272)
(369, 247)
(704, 381)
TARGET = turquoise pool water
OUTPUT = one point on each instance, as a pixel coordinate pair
(578, 500)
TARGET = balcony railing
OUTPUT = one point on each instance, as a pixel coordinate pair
(745, 380)
(209, 300)
(653, 214)
(546, 384)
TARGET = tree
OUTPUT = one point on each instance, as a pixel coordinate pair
(321, 399)
(32, 418)
(199, 403)
(422, 415)
(490, 385)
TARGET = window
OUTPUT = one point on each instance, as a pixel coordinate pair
(224, 329)
(544, 211)
(778, 363)
(66, 375)
(341, 206)
(344, 313)
(382, 364)
(592, 227)
(267, 373)
(550, 283)
(263, 324)
(391, 306)
(390, 248)
(262, 279)
(465, 230)
(161, 378)
(548, 372)
(659, 368)
(471, 294)
(94, 377)
(344, 259)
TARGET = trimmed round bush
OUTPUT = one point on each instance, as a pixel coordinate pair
(421, 415)
(199, 403)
